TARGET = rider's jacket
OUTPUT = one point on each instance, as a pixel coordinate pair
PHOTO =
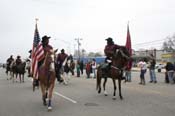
(9, 61)
(47, 49)
(18, 61)
(110, 49)
(60, 58)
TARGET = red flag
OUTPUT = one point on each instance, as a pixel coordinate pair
(128, 46)
(37, 53)
(128, 41)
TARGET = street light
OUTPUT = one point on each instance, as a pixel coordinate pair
(79, 44)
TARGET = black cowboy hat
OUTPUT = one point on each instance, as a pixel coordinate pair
(109, 39)
(44, 38)
(62, 50)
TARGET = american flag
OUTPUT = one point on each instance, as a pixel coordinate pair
(37, 53)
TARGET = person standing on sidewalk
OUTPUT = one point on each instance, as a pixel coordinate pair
(94, 66)
(152, 70)
(170, 71)
(143, 68)
(128, 71)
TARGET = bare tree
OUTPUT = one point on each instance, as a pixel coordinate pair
(169, 44)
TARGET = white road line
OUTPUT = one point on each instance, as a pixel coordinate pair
(73, 101)
(56, 93)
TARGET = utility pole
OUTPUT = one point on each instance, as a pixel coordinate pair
(79, 44)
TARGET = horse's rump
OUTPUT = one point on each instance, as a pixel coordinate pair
(20, 68)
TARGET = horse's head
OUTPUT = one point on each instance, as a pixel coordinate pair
(50, 59)
(120, 57)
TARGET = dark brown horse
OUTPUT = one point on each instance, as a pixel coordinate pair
(119, 61)
(20, 71)
(17, 71)
(47, 79)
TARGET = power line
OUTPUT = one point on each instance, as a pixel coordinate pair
(151, 42)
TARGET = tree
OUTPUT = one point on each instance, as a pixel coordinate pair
(169, 44)
(94, 54)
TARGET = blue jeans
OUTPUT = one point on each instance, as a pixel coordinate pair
(93, 71)
(152, 75)
(170, 76)
(128, 75)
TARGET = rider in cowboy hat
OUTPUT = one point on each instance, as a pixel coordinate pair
(47, 48)
(59, 62)
(109, 51)
(18, 60)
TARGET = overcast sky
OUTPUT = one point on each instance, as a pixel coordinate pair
(91, 20)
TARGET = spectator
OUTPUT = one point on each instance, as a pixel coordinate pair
(170, 72)
(152, 70)
(128, 71)
(143, 68)
(81, 66)
(88, 68)
(78, 68)
(94, 66)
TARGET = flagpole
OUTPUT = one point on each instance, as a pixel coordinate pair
(36, 19)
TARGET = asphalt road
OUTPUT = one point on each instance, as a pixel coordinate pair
(80, 98)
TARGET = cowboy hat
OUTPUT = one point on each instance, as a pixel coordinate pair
(44, 38)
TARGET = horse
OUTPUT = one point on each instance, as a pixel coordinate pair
(9, 69)
(119, 61)
(68, 66)
(46, 76)
(62, 71)
(18, 70)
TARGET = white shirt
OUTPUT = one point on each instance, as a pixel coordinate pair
(94, 65)
(142, 65)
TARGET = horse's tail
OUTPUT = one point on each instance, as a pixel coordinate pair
(98, 79)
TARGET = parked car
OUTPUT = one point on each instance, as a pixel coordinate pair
(160, 66)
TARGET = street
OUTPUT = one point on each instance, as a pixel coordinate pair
(80, 98)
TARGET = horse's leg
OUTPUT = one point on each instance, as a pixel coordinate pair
(114, 83)
(13, 79)
(64, 79)
(16, 76)
(20, 78)
(104, 86)
(23, 78)
(43, 93)
(50, 96)
(99, 82)
(119, 87)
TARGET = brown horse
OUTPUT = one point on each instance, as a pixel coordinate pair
(119, 61)
(47, 79)
(17, 70)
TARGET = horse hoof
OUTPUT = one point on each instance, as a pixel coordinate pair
(114, 98)
(45, 104)
(121, 98)
(49, 108)
(105, 93)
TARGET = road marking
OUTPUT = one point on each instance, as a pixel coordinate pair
(56, 93)
(69, 99)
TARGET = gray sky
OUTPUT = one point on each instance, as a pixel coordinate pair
(91, 20)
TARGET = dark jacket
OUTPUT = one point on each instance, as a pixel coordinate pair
(169, 66)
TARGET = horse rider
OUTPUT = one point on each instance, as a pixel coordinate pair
(60, 59)
(18, 60)
(47, 49)
(8, 62)
(109, 51)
